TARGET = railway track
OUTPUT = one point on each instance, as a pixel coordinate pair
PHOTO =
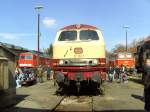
(81, 102)
(75, 104)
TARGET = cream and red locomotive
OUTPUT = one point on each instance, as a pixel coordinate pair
(79, 57)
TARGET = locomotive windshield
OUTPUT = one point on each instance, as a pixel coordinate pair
(88, 35)
(68, 36)
(28, 57)
(22, 57)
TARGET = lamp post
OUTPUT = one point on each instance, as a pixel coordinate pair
(38, 8)
(126, 27)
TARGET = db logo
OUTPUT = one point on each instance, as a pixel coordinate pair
(78, 50)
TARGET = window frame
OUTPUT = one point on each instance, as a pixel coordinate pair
(22, 58)
(98, 38)
(75, 31)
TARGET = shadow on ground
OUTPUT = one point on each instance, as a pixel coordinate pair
(122, 111)
(139, 81)
(18, 99)
(16, 109)
(88, 91)
(44, 110)
(138, 97)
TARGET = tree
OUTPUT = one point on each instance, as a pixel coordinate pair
(119, 48)
(132, 47)
(49, 50)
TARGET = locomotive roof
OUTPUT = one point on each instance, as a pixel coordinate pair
(78, 26)
(36, 53)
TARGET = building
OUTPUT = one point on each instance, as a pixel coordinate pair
(15, 49)
(7, 80)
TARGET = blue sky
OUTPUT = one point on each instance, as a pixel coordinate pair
(18, 19)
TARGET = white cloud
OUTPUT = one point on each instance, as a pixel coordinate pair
(7, 36)
(49, 22)
(15, 35)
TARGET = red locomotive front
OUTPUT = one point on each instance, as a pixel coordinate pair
(32, 60)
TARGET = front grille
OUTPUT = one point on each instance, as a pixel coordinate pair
(78, 62)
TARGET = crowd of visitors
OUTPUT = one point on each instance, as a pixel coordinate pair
(27, 75)
(31, 75)
(118, 74)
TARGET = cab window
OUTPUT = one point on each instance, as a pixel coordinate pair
(68, 36)
(88, 35)
(22, 57)
(28, 57)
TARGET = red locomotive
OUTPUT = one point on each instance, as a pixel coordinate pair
(30, 60)
(122, 58)
(126, 59)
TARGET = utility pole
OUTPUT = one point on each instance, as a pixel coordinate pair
(38, 8)
(126, 27)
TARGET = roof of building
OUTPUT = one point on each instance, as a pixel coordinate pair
(11, 46)
(11, 51)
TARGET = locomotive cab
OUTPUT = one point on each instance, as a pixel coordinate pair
(79, 56)
(26, 60)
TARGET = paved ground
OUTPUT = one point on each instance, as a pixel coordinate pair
(125, 97)
(37, 98)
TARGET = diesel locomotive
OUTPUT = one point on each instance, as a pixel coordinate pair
(79, 57)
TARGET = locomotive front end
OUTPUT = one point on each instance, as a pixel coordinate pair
(79, 56)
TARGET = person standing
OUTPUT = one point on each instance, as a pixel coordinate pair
(48, 72)
(40, 74)
(117, 72)
(110, 74)
(123, 74)
(18, 77)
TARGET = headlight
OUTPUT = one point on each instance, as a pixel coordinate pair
(61, 62)
(95, 61)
